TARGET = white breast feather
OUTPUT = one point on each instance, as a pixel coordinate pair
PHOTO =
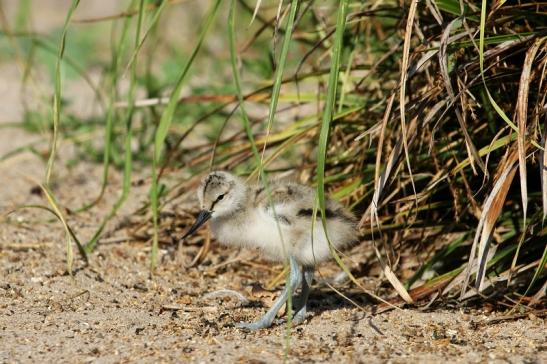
(262, 231)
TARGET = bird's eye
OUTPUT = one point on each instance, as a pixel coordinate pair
(220, 197)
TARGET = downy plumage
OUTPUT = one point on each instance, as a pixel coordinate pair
(278, 220)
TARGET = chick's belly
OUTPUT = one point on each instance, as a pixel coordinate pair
(272, 238)
(229, 234)
(313, 247)
(254, 233)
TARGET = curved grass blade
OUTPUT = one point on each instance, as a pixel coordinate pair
(522, 114)
(152, 5)
(117, 55)
(163, 128)
(402, 85)
(237, 82)
(153, 23)
(323, 142)
(69, 234)
(53, 145)
(49, 47)
(443, 62)
(492, 208)
(454, 7)
(279, 71)
(126, 184)
(539, 270)
(259, 162)
(499, 143)
(57, 93)
(437, 257)
(490, 212)
(68, 229)
(329, 107)
(543, 170)
(493, 102)
(255, 12)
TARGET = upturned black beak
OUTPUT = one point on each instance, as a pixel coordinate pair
(202, 218)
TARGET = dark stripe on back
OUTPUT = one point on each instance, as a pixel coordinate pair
(284, 219)
(309, 213)
(258, 191)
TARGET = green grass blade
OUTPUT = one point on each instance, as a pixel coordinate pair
(50, 47)
(57, 93)
(437, 257)
(329, 107)
(54, 210)
(69, 234)
(279, 71)
(328, 113)
(164, 124)
(53, 144)
(539, 270)
(493, 102)
(117, 55)
(237, 83)
(152, 25)
(128, 163)
(247, 126)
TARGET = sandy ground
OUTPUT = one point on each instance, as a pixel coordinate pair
(114, 311)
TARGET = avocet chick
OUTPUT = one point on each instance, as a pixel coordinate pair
(280, 225)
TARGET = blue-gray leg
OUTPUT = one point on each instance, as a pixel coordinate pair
(295, 280)
(300, 316)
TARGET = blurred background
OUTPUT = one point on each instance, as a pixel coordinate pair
(430, 152)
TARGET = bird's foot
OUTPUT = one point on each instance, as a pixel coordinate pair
(262, 323)
(297, 319)
(253, 326)
(300, 316)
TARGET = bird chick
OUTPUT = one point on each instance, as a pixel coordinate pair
(278, 220)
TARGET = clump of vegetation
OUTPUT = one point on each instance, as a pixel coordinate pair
(427, 118)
